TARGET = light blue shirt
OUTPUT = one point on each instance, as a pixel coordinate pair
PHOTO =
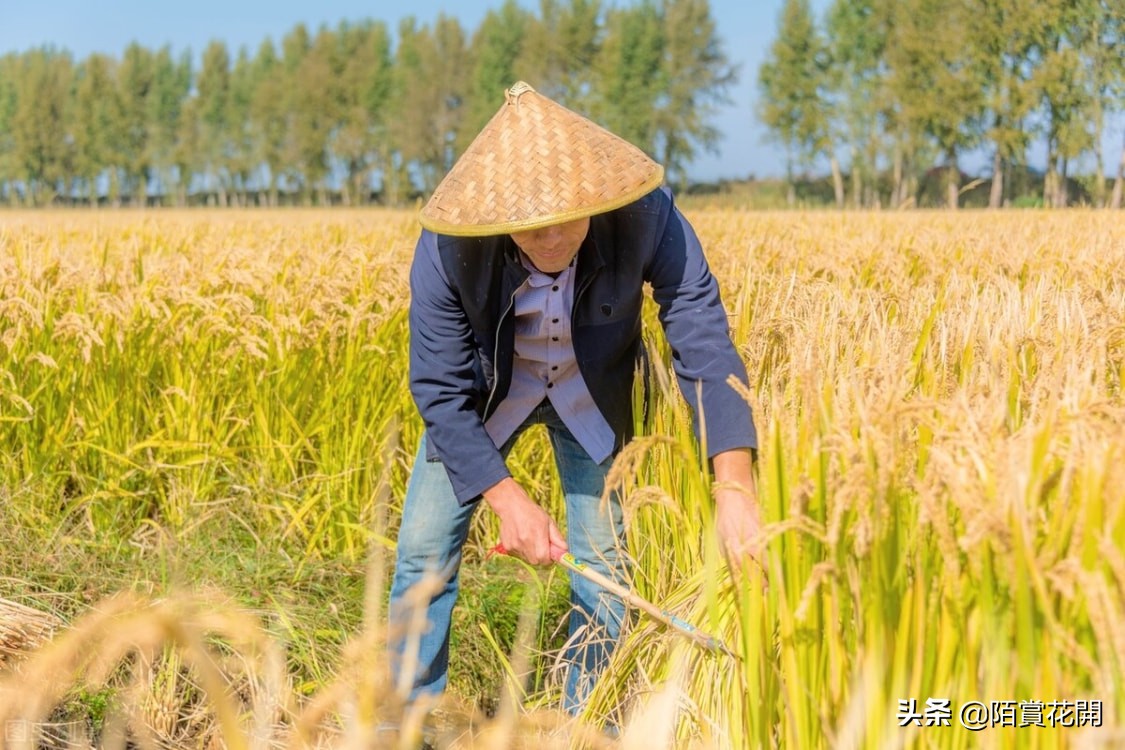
(545, 366)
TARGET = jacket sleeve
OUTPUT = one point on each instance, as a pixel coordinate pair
(442, 378)
(695, 324)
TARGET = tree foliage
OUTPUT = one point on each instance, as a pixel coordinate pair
(902, 89)
(352, 113)
(793, 81)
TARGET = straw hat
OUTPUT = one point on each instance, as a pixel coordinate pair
(535, 164)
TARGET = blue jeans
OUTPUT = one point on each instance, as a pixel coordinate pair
(434, 527)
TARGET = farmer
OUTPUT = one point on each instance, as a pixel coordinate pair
(526, 309)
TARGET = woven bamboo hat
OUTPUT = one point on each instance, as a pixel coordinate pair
(536, 164)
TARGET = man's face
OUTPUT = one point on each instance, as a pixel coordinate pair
(552, 248)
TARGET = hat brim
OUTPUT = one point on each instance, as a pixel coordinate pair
(526, 225)
(537, 164)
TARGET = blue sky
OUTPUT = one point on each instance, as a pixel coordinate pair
(746, 27)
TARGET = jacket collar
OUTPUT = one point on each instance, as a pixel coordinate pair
(590, 259)
(514, 272)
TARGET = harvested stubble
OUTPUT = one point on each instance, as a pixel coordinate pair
(23, 629)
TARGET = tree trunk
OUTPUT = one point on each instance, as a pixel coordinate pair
(1061, 196)
(1099, 193)
(362, 191)
(857, 181)
(897, 192)
(953, 181)
(114, 188)
(872, 198)
(996, 194)
(1115, 201)
(1050, 180)
(351, 193)
(791, 192)
(837, 181)
(1099, 196)
(390, 185)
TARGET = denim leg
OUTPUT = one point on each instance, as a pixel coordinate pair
(434, 528)
(595, 535)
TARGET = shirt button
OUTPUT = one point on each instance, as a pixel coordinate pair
(554, 320)
(550, 385)
(554, 338)
(554, 367)
(555, 288)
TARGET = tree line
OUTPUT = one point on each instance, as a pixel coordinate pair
(350, 114)
(890, 91)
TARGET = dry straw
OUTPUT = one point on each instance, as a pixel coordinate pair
(22, 629)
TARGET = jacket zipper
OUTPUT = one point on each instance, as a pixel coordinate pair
(586, 282)
(495, 349)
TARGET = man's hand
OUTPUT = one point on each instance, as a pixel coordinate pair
(738, 518)
(526, 530)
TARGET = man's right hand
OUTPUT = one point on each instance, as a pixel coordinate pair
(526, 530)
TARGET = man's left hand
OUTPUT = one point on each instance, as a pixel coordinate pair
(738, 521)
(738, 517)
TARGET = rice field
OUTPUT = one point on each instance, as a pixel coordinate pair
(942, 472)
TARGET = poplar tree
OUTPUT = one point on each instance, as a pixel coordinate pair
(429, 89)
(134, 85)
(791, 82)
(446, 68)
(696, 76)
(239, 156)
(1000, 35)
(9, 68)
(1063, 89)
(857, 38)
(295, 48)
(268, 115)
(407, 128)
(495, 48)
(364, 78)
(312, 113)
(1100, 36)
(38, 123)
(560, 46)
(937, 82)
(213, 119)
(171, 84)
(1115, 86)
(185, 154)
(629, 74)
(94, 123)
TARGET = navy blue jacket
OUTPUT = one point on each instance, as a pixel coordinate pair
(462, 333)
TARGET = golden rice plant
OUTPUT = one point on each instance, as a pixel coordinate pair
(941, 412)
(942, 461)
